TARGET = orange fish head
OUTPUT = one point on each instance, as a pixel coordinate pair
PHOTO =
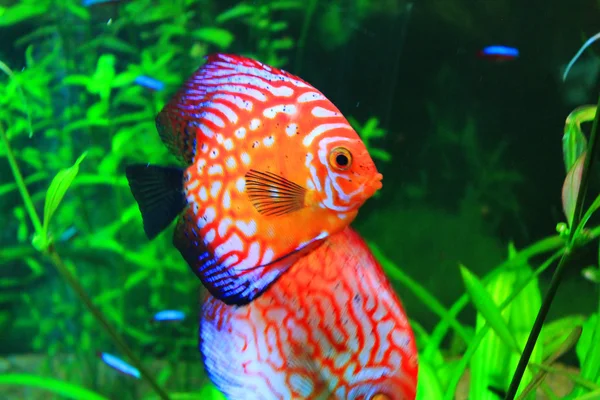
(351, 176)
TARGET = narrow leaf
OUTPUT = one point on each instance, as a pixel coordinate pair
(570, 189)
(487, 308)
(574, 141)
(63, 389)
(56, 192)
(591, 273)
(219, 37)
(235, 12)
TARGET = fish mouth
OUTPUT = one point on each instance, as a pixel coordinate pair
(373, 185)
(376, 182)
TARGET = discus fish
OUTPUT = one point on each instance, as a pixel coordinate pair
(273, 168)
(330, 328)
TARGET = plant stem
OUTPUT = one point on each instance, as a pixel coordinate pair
(76, 286)
(71, 280)
(310, 11)
(560, 269)
(35, 220)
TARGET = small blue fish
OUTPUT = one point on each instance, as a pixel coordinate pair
(68, 234)
(119, 365)
(89, 3)
(149, 83)
(169, 316)
(499, 53)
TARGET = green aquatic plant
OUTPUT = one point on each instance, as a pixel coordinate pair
(76, 93)
(368, 131)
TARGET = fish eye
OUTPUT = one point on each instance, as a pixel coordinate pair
(340, 158)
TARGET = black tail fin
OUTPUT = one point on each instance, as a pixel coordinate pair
(159, 194)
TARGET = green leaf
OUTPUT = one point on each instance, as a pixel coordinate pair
(217, 36)
(591, 273)
(590, 211)
(555, 333)
(428, 385)
(56, 192)
(587, 350)
(164, 375)
(136, 278)
(570, 189)
(238, 11)
(574, 141)
(63, 389)
(22, 12)
(380, 154)
(487, 308)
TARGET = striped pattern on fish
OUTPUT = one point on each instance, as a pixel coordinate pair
(330, 328)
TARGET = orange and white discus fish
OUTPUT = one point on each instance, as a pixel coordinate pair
(331, 328)
(273, 168)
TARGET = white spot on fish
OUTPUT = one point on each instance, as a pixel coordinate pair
(257, 94)
(215, 189)
(230, 163)
(320, 129)
(210, 236)
(192, 185)
(268, 141)
(214, 153)
(291, 129)
(234, 243)
(254, 124)
(267, 257)
(203, 194)
(240, 133)
(321, 112)
(200, 165)
(206, 131)
(240, 184)
(227, 200)
(310, 96)
(309, 158)
(248, 229)
(220, 138)
(245, 158)
(228, 112)
(214, 119)
(309, 184)
(216, 169)
(224, 226)
(229, 261)
(209, 215)
(252, 259)
(228, 144)
(271, 112)
(236, 100)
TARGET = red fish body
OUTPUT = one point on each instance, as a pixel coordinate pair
(330, 328)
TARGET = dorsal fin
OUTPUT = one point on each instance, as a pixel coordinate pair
(182, 119)
(175, 131)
